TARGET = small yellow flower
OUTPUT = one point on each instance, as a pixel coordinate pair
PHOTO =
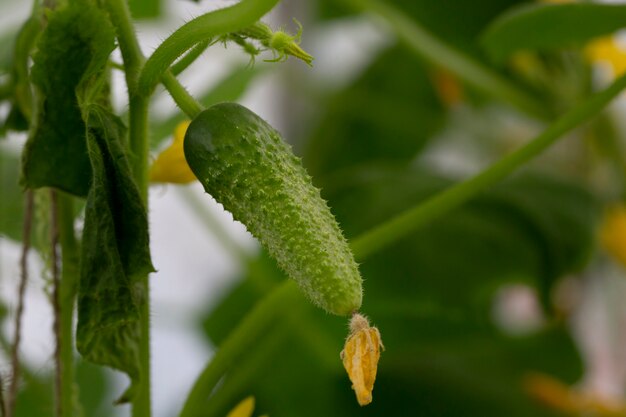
(360, 357)
(613, 233)
(243, 409)
(171, 165)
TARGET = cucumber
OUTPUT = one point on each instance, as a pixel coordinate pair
(246, 166)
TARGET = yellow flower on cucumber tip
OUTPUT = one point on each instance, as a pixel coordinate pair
(613, 232)
(243, 409)
(170, 166)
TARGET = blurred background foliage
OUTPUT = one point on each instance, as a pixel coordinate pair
(401, 130)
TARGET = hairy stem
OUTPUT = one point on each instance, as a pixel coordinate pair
(139, 146)
(190, 57)
(427, 46)
(17, 335)
(67, 296)
(414, 218)
(202, 28)
(181, 96)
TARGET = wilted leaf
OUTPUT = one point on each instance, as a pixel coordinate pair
(72, 51)
(115, 254)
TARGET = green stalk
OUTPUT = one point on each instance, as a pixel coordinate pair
(190, 57)
(442, 203)
(427, 46)
(70, 257)
(252, 328)
(202, 28)
(181, 96)
(139, 147)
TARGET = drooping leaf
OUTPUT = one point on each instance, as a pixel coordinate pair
(115, 254)
(549, 26)
(72, 52)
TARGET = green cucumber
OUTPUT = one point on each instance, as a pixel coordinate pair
(246, 166)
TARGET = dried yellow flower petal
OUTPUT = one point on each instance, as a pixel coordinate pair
(243, 409)
(171, 165)
(360, 357)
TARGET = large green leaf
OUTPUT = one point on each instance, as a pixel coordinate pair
(115, 254)
(72, 52)
(549, 26)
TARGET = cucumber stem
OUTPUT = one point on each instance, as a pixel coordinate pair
(185, 101)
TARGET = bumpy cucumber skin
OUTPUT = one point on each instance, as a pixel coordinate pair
(245, 165)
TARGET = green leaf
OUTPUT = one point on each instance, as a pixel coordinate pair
(72, 52)
(12, 201)
(115, 254)
(546, 27)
